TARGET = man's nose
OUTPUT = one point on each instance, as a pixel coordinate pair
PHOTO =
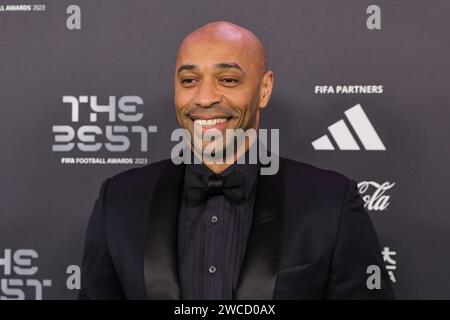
(207, 95)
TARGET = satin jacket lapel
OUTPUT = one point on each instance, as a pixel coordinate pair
(258, 273)
(160, 253)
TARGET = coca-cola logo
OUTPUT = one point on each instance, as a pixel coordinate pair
(376, 200)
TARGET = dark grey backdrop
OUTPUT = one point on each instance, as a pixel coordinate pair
(129, 48)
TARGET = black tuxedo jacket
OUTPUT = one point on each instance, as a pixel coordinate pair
(311, 238)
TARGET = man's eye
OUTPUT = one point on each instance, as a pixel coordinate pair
(188, 81)
(230, 81)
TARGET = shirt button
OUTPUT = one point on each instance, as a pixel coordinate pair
(214, 219)
(212, 269)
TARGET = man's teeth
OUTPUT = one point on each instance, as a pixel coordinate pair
(210, 122)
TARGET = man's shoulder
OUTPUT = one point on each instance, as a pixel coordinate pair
(139, 175)
(312, 176)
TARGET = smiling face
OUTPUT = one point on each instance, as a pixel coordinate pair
(220, 79)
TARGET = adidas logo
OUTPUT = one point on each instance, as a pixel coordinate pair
(344, 138)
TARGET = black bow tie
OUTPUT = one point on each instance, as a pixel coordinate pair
(200, 187)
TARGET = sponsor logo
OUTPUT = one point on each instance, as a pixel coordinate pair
(344, 138)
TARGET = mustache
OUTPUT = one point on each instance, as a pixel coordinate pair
(216, 110)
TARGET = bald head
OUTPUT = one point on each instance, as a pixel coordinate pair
(221, 77)
(240, 39)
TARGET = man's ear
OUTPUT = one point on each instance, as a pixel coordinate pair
(265, 89)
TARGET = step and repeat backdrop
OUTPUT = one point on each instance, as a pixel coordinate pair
(86, 91)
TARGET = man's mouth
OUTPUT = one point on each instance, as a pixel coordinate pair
(210, 121)
(207, 123)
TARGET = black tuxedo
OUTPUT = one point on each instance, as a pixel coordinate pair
(310, 238)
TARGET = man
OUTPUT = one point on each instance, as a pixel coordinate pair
(221, 230)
